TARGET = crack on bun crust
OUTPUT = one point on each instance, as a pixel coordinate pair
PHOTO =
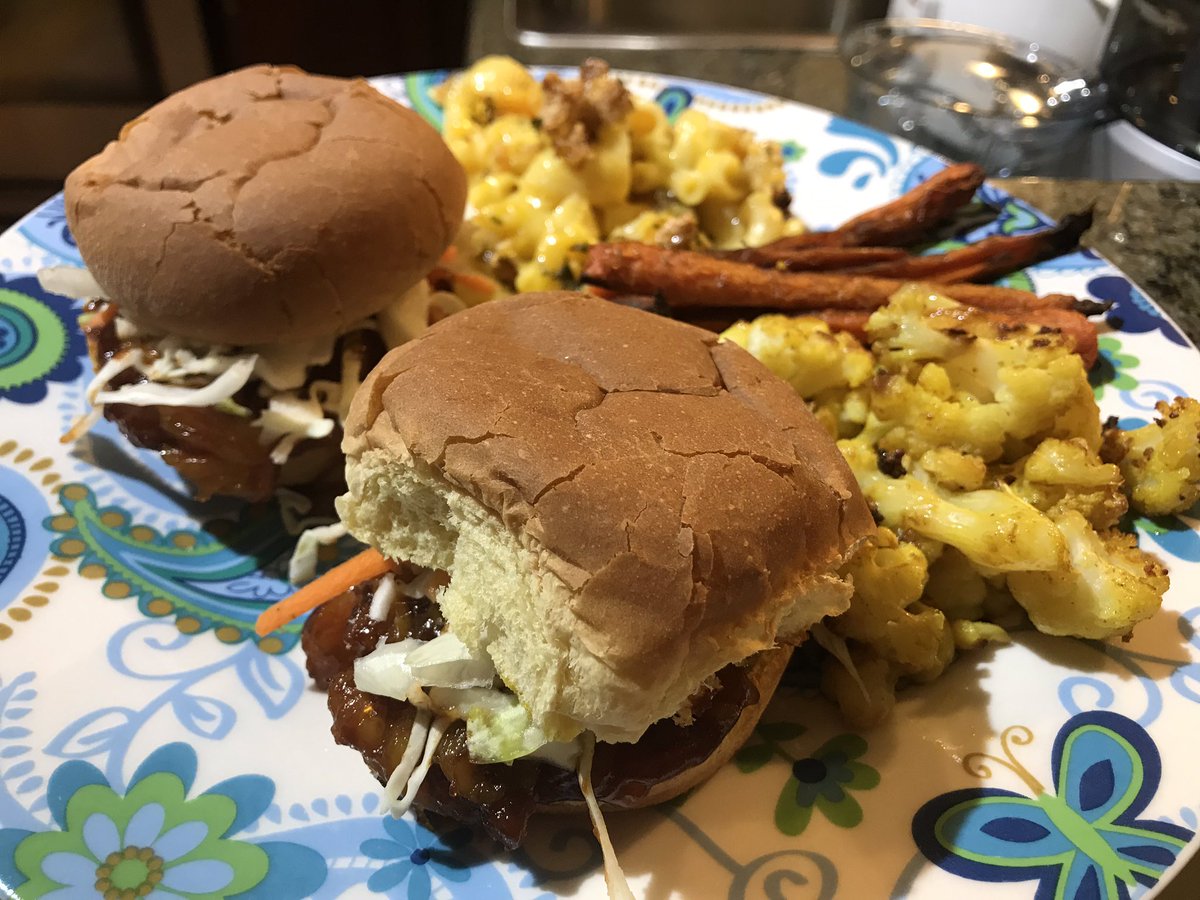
(265, 205)
(606, 487)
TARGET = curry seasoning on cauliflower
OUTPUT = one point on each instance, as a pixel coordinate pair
(979, 448)
(1161, 461)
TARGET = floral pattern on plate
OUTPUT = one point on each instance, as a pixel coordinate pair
(147, 744)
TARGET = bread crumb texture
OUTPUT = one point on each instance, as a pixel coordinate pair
(265, 205)
(606, 487)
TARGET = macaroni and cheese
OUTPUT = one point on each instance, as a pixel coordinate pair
(557, 165)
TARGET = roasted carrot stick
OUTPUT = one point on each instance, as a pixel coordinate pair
(981, 262)
(358, 568)
(905, 221)
(986, 260)
(813, 259)
(481, 286)
(851, 321)
(1077, 327)
(685, 280)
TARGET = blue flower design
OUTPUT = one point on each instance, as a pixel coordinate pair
(12, 537)
(882, 153)
(1173, 534)
(416, 855)
(152, 840)
(257, 585)
(1131, 311)
(23, 546)
(46, 227)
(40, 341)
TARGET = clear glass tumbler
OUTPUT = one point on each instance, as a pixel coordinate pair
(972, 94)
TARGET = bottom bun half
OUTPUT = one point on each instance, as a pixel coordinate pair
(764, 672)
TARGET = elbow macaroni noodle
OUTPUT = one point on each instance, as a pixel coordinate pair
(537, 212)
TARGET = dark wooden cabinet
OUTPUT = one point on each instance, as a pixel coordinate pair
(73, 71)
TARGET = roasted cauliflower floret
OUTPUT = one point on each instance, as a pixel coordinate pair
(865, 694)
(1161, 461)
(952, 469)
(959, 589)
(827, 369)
(970, 635)
(979, 608)
(995, 529)
(951, 378)
(1061, 475)
(955, 586)
(1108, 586)
(886, 614)
(978, 447)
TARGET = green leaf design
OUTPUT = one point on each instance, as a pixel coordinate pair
(792, 152)
(848, 746)
(862, 778)
(35, 848)
(946, 246)
(1018, 281)
(790, 817)
(1112, 368)
(845, 813)
(780, 731)
(753, 757)
(1016, 218)
(248, 863)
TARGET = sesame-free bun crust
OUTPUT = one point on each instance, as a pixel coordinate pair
(624, 504)
(265, 205)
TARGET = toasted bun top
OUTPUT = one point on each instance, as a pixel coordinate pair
(668, 503)
(265, 205)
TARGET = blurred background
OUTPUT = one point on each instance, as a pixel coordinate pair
(1070, 88)
(73, 71)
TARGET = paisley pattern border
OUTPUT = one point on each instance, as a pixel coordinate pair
(117, 590)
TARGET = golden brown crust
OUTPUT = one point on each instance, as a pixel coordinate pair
(265, 205)
(679, 490)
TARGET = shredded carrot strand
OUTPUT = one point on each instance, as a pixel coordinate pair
(601, 292)
(336, 581)
(481, 284)
(449, 256)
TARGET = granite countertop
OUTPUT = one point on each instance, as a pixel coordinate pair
(1150, 230)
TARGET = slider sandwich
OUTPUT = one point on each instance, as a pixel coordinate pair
(595, 535)
(250, 242)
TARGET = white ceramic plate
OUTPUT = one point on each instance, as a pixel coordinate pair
(147, 740)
